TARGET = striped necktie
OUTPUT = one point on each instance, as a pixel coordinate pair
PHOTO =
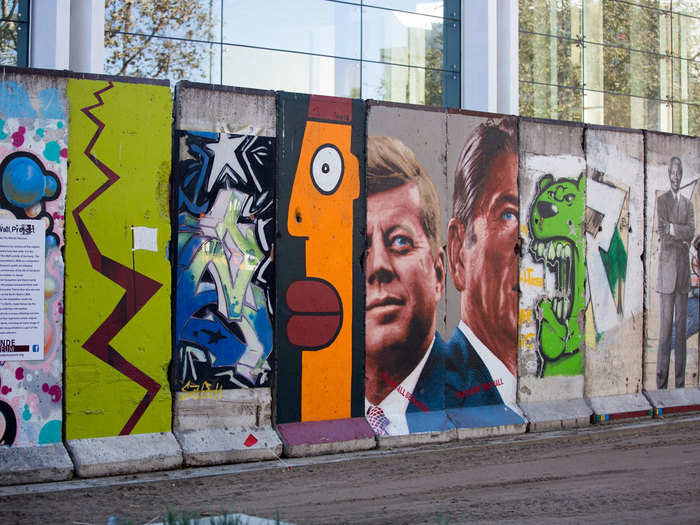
(378, 421)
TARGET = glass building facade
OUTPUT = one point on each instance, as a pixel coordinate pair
(14, 32)
(398, 50)
(623, 63)
(629, 63)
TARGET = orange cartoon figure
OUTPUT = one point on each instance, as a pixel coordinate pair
(321, 210)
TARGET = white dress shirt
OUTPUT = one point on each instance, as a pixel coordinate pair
(394, 404)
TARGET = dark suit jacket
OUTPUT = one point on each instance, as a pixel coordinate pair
(674, 261)
(430, 391)
(464, 370)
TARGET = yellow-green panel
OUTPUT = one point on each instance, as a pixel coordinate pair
(117, 299)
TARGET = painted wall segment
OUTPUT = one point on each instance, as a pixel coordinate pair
(225, 277)
(118, 347)
(673, 270)
(615, 272)
(552, 187)
(405, 269)
(33, 166)
(482, 245)
(320, 217)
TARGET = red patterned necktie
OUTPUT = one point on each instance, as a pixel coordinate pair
(378, 421)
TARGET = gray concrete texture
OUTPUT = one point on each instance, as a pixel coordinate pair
(109, 456)
(614, 314)
(557, 415)
(619, 404)
(34, 464)
(417, 438)
(674, 398)
(217, 446)
(201, 107)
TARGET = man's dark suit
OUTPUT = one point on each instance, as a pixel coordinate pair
(464, 370)
(482, 406)
(673, 282)
(451, 368)
(430, 390)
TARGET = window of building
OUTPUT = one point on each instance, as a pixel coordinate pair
(617, 62)
(14, 32)
(398, 50)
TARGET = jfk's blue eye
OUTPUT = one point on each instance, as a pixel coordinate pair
(400, 243)
(509, 216)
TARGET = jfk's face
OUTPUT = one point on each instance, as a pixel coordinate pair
(490, 295)
(675, 174)
(404, 279)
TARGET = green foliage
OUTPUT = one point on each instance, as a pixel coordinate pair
(144, 38)
(618, 50)
(8, 32)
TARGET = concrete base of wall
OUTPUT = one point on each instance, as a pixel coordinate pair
(611, 408)
(417, 438)
(313, 438)
(675, 400)
(216, 446)
(487, 420)
(34, 464)
(124, 454)
(556, 415)
(426, 427)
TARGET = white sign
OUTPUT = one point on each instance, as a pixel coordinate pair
(21, 290)
(145, 238)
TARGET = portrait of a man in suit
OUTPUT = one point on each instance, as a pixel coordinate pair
(405, 273)
(676, 226)
(482, 236)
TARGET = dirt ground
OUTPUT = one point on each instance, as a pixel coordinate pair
(631, 473)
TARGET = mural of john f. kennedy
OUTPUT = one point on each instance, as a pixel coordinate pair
(405, 271)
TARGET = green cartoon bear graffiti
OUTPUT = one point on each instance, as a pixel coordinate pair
(556, 216)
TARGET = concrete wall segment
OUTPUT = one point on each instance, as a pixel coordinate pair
(552, 303)
(117, 347)
(34, 129)
(202, 107)
(682, 269)
(615, 271)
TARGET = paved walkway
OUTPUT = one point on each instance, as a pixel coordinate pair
(625, 473)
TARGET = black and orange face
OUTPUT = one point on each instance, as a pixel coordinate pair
(321, 211)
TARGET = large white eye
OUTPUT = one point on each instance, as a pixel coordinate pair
(327, 169)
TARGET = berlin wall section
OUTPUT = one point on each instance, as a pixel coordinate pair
(552, 187)
(673, 272)
(252, 273)
(224, 208)
(615, 273)
(34, 128)
(320, 195)
(482, 259)
(118, 403)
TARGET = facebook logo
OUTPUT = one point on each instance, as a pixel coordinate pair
(35, 348)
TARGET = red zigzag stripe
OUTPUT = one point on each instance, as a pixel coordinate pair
(138, 289)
